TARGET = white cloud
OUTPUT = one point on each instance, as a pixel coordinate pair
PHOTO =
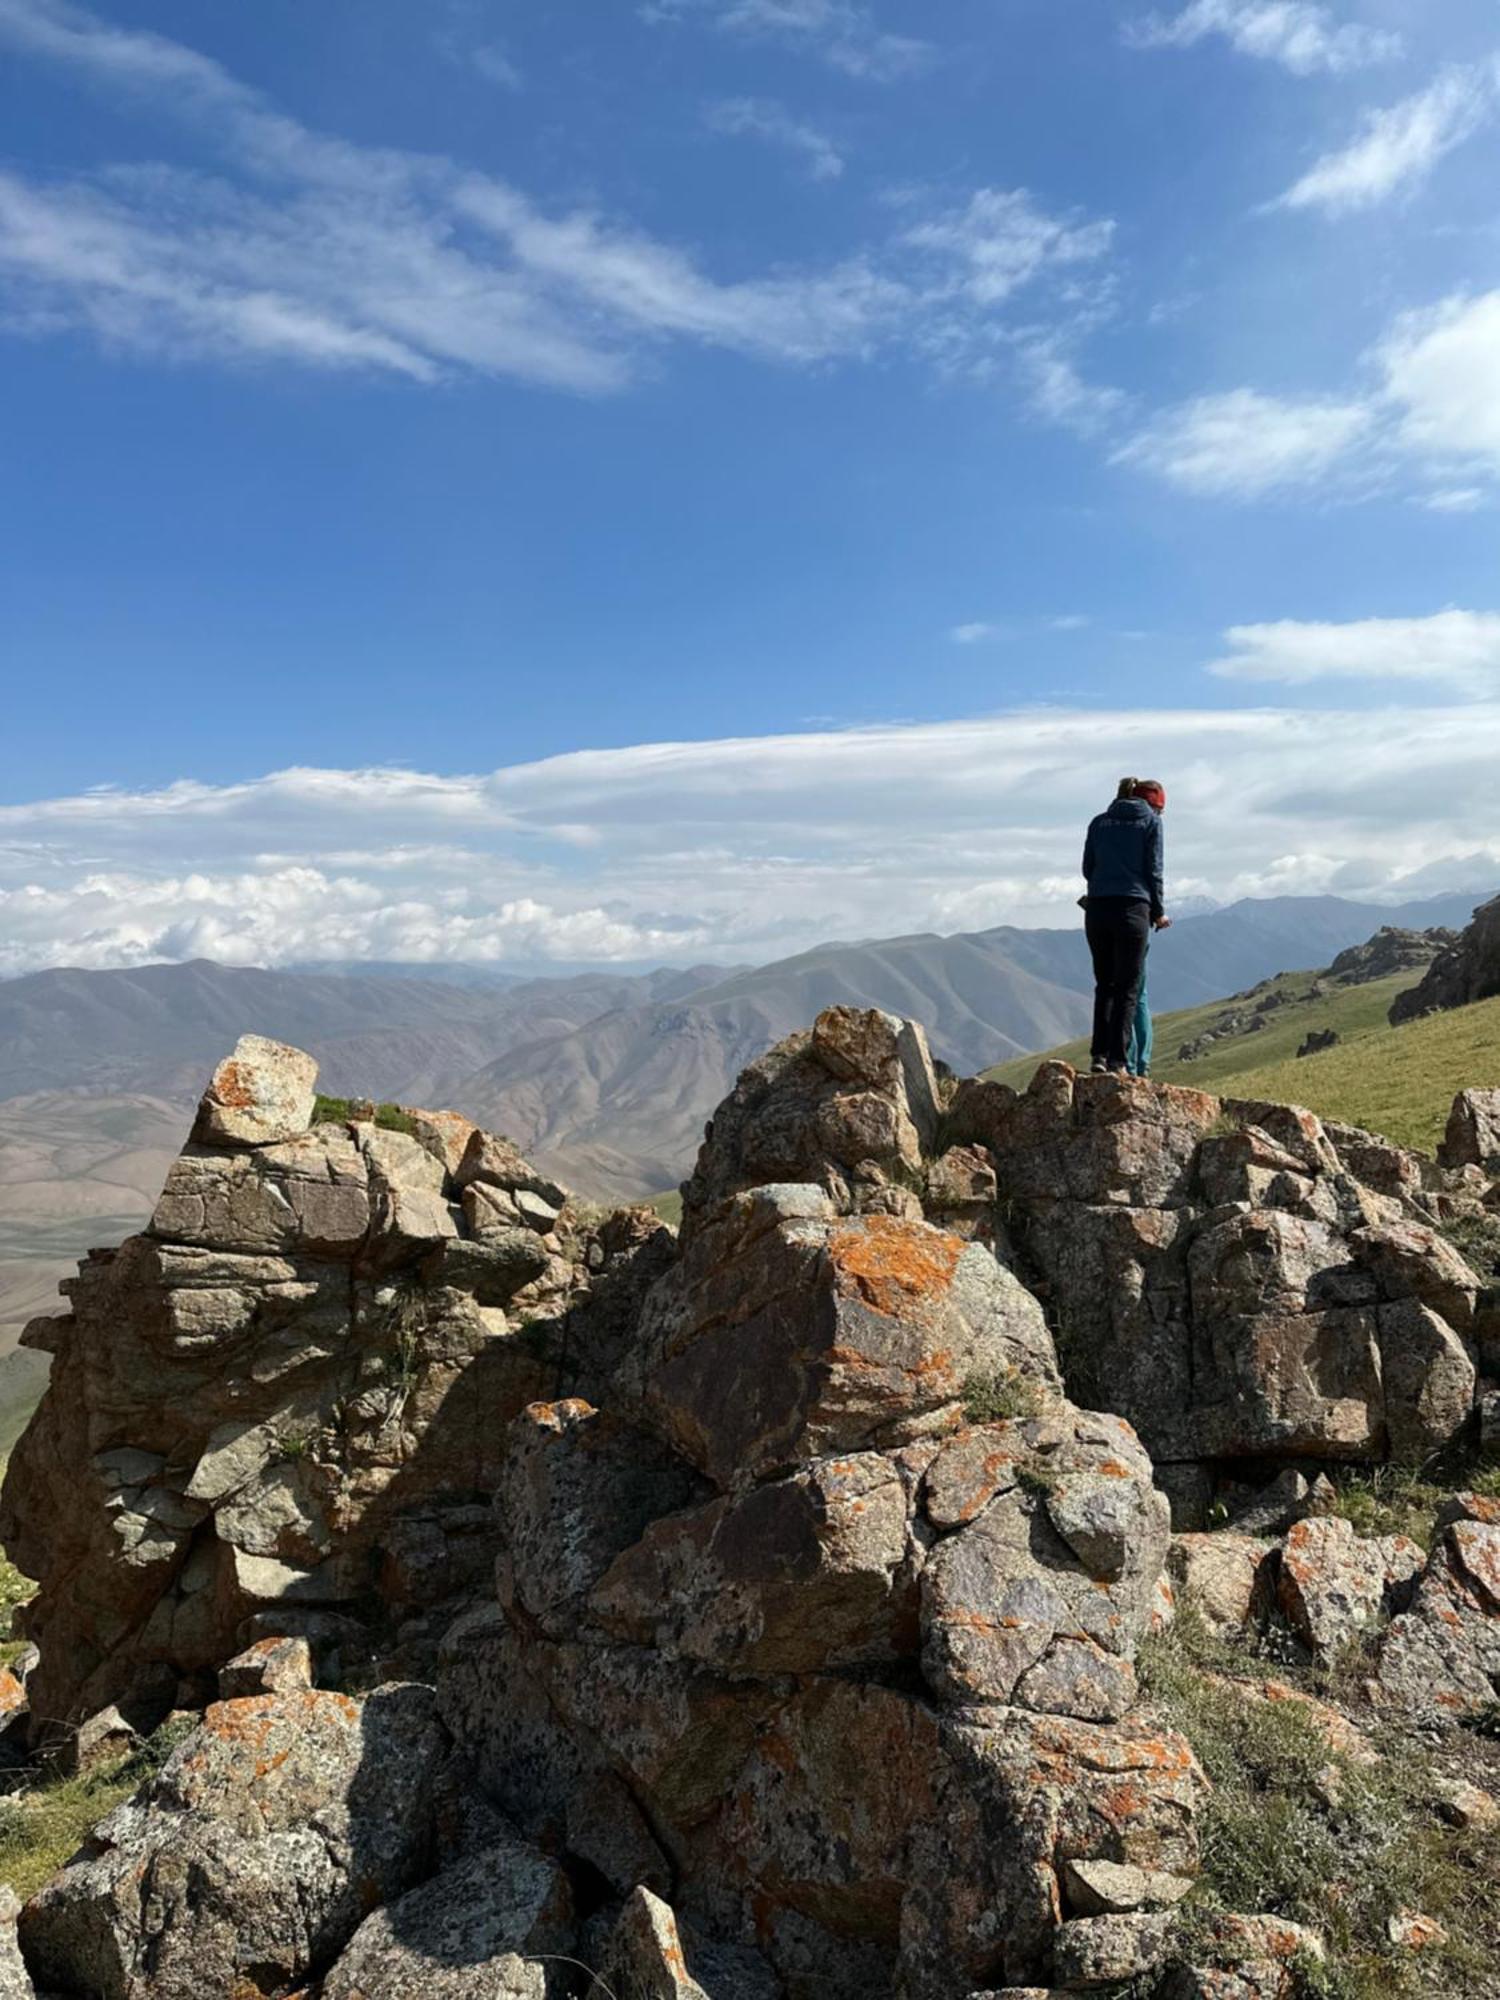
(1301, 36)
(842, 33)
(1069, 621)
(757, 118)
(333, 255)
(1000, 239)
(1456, 649)
(1442, 377)
(744, 847)
(492, 63)
(1453, 500)
(1058, 392)
(1398, 147)
(1242, 444)
(975, 633)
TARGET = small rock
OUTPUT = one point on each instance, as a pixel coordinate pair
(1410, 1930)
(645, 1957)
(259, 1096)
(1465, 1805)
(1097, 1951)
(1112, 1888)
(1274, 1508)
(1226, 1577)
(478, 1931)
(103, 1739)
(270, 1666)
(1332, 1584)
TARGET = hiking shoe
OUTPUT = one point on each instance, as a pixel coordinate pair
(1099, 1069)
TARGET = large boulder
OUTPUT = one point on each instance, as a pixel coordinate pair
(793, 1654)
(490, 1927)
(261, 1094)
(788, 1332)
(250, 1860)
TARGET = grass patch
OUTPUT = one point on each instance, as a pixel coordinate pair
(1404, 1500)
(43, 1828)
(339, 1110)
(993, 1398)
(1343, 1859)
(1348, 1010)
(668, 1206)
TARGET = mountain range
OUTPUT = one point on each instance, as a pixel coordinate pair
(606, 1077)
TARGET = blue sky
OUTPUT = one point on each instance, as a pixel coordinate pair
(675, 479)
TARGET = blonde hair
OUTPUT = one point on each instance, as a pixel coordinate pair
(1126, 788)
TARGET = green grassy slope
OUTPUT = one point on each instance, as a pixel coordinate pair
(1398, 1081)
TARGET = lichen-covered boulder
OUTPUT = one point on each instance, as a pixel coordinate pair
(253, 1855)
(1440, 1660)
(260, 1095)
(489, 1927)
(1039, 1597)
(788, 1333)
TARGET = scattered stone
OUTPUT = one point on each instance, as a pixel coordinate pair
(1464, 1805)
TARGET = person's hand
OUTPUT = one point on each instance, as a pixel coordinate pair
(1161, 923)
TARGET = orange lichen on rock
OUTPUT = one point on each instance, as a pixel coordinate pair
(892, 1264)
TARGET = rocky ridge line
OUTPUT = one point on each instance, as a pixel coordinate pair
(807, 1663)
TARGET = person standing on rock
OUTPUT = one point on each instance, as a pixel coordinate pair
(1123, 865)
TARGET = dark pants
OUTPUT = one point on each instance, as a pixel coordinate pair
(1118, 929)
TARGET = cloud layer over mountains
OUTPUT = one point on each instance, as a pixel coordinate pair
(749, 848)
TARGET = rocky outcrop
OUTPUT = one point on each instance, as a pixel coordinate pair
(1465, 971)
(1390, 951)
(280, 1409)
(1240, 1280)
(780, 1586)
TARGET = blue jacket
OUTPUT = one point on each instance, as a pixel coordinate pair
(1124, 854)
